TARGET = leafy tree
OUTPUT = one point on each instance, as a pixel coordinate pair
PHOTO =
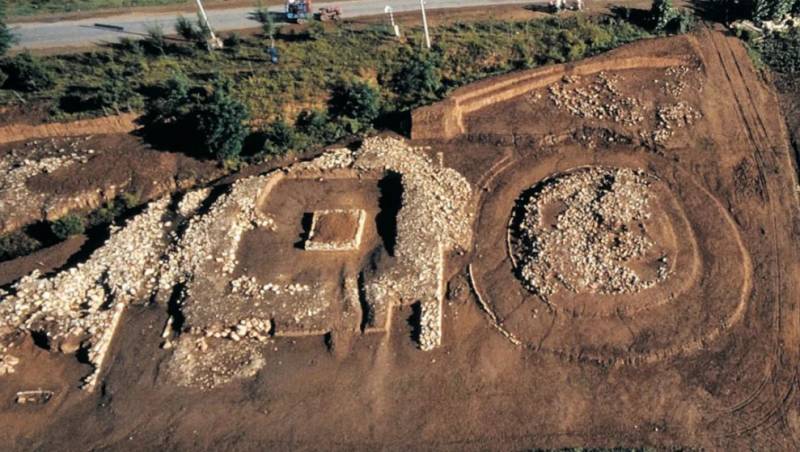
(27, 73)
(207, 120)
(774, 9)
(67, 226)
(419, 81)
(355, 100)
(220, 121)
(665, 18)
(167, 110)
(6, 38)
(661, 13)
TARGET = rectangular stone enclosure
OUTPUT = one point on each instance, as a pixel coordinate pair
(336, 230)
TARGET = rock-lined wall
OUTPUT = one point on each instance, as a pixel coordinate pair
(445, 119)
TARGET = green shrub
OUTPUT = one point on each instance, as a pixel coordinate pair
(17, 244)
(220, 122)
(232, 41)
(128, 200)
(261, 14)
(105, 214)
(116, 93)
(208, 121)
(319, 127)
(155, 43)
(665, 18)
(419, 81)
(781, 51)
(187, 30)
(67, 226)
(357, 101)
(315, 30)
(27, 73)
(281, 138)
(111, 210)
(661, 13)
(128, 45)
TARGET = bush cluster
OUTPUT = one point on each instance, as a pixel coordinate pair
(665, 18)
(17, 244)
(340, 83)
(206, 120)
(67, 226)
(781, 52)
(27, 73)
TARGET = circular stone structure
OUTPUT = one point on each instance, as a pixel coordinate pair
(591, 230)
(619, 257)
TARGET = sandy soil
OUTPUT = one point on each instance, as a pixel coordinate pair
(709, 360)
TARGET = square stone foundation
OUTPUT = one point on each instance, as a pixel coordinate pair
(336, 230)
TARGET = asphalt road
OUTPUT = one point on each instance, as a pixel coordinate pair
(80, 33)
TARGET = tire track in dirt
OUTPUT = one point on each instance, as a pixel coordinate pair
(758, 135)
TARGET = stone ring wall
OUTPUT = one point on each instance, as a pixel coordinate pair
(706, 290)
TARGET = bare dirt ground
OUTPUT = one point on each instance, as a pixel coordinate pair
(705, 357)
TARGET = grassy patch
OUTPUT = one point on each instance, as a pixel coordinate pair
(312, 65)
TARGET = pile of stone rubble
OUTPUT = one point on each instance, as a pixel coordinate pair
(18, 204)
(594, 234)
(675, 82)
(435, 218)
(187, 256)
(598, 99)
(8, 362)
(81, 307)
(672, 117)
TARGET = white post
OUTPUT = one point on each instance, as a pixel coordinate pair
(388, 10)
(425, 23)
(205, 19)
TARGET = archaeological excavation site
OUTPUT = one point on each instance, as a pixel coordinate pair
(600, 253)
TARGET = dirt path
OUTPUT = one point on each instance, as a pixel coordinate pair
(764, 409)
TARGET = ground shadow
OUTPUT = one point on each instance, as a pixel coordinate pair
(391, 200)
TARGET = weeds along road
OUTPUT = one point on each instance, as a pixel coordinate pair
(83, 32)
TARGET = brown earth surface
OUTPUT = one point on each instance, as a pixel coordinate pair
(706, 359)
(98, 168)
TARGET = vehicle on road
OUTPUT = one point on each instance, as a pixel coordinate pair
(298, 11)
